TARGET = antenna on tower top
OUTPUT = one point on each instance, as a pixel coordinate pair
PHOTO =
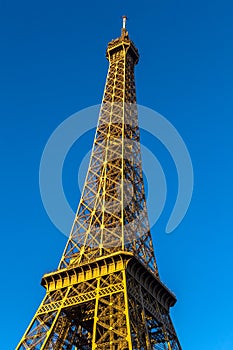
(124, 21)
(123, 30)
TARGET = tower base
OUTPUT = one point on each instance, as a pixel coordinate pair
(112, 303)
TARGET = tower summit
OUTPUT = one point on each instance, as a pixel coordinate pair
(106, 293)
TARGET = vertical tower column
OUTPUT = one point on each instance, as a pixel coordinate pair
(112, 213)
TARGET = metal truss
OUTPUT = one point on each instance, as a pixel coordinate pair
(112, 212)
(106, 293)
(114, 303)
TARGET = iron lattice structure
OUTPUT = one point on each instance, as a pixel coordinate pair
(106, 292)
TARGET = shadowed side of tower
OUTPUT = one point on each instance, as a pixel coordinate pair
(106, 292)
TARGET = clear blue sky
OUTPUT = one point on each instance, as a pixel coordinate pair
(52, 64)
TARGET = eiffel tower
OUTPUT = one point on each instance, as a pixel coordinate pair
(106, 293)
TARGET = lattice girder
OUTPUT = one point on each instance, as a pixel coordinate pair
(106, 293)
(114, 303)
(112, 213)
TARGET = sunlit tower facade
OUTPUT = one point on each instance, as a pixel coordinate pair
(106, 293)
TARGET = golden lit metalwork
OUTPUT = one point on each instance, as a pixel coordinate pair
(106, 292)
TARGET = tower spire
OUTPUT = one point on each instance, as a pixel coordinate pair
(123, 29)
(124, 18)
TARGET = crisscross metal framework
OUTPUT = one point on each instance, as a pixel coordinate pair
(106, 293)
(112, 211)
